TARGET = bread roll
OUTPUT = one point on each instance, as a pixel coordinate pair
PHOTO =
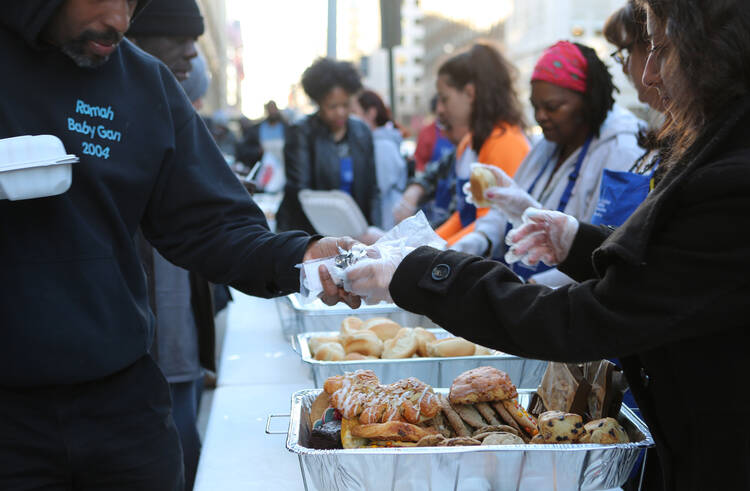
(358, 356)
(364, 342)
(330, 352)
(480, 180)
(314, 343)
(482, 351)
(382, 327)
(403, 345)
(423, 337)
(450, 347)
(349, 326)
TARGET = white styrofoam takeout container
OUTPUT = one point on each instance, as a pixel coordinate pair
(34, 167)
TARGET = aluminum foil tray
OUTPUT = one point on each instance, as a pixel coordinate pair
(437, 372)
(496, 468)
(297, 317)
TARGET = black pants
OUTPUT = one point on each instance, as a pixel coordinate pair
(185, 402)
(115, 433)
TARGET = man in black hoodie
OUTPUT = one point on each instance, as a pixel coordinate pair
(82, 405)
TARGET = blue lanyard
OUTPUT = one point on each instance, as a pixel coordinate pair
(572, 177)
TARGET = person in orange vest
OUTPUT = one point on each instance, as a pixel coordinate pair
(480, 81)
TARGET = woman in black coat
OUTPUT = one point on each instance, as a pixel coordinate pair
(667, 292)
(329, 149)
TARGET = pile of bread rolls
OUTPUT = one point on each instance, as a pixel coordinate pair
(382, 338)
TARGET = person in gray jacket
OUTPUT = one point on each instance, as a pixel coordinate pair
(329, 149)
(390, 166)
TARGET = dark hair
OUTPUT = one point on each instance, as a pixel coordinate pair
(627, 26)
(496, 100)
(326, 74)
(708, 53)
(367, 99)
(598, 98)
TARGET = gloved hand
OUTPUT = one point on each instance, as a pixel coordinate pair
(371, 235)
(327, 247)
(507, 195)
(544, 235)
(475, 243)
(370, 277)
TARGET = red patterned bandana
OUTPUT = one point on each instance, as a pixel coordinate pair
(563, 65)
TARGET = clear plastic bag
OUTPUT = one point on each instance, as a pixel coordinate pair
(411, 233)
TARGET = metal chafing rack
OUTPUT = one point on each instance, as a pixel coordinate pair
(437, 372)
(497, 468)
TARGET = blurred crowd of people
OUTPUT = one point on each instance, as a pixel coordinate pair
(350, 143)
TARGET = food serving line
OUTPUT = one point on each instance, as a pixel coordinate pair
(266, 367)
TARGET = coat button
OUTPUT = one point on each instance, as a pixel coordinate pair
(441, 272)
(645, 378)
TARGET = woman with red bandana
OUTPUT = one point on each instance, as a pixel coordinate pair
(584, 134)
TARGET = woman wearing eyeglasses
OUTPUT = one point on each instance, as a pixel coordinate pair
(667, 292)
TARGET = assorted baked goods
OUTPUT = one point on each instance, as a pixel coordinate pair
(355, 411)
(385, 339)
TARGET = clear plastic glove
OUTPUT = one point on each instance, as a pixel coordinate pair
(475, 243)
(370, 277)
(507, 195)
(544, 235)
(371, 235)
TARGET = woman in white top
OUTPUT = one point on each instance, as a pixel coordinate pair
(584, 133)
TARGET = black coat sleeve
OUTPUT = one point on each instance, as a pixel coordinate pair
(693, 282)
(579, 264)
(201, 218)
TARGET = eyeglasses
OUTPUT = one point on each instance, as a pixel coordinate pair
(655, 49)
(622, 55)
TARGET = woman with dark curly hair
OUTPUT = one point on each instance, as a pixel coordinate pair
(476, 86)
(666, 292)
(329, 149)
(584, 134)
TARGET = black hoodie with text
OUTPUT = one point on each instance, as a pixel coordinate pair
(74, 306)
